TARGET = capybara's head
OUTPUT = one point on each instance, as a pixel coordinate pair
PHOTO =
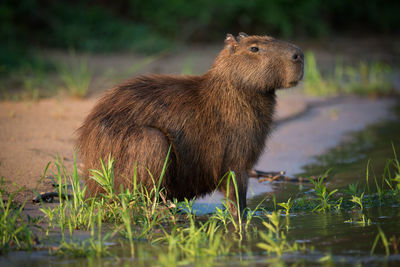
(260, 62)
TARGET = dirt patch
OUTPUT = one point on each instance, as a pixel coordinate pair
(33, 134)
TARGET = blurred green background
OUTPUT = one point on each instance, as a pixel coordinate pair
(81, 46)
(153, 25)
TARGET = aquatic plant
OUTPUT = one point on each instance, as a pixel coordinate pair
(325, 197)
(353, 189)
(91, 247)
(76, 212)
(275, 241)
(137, 216)
(358, 200)
(287, 205)
(15, 233)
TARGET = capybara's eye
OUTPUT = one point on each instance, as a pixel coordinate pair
(254, 49)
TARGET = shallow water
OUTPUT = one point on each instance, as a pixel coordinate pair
(330, 237)
(331, 232)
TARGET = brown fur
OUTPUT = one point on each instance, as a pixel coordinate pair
(214, 123)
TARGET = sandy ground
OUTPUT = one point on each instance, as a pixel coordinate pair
(33, 134)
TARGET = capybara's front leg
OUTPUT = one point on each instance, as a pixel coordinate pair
(236, 206)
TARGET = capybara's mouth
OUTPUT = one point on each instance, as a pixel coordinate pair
(294, 83)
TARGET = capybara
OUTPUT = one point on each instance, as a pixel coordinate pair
(212, 124)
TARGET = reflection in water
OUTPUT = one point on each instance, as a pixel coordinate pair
(347, 236)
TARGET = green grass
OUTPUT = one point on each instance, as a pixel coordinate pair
(275, 241)
(15, 233)
(36, 81)
(141, 214)
(203, 241)
(386, 191)
(314, 83)
(287, 205)
(76, 77)
(138, 216)
(323, 196)
(31, 81)
(366, 79)
(91, 247)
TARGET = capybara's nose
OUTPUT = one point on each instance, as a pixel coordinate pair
(298, 56)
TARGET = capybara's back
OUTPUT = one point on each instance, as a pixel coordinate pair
(207, 125)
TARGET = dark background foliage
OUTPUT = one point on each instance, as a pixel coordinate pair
(153, 25)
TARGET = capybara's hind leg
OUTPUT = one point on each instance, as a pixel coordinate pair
(145, 158)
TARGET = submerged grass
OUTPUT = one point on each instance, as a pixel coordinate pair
(138, 215)
(275, 241)
(93, 247)
(385, 191)
(131, 217)
(202, 241)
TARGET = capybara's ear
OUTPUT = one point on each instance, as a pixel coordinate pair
(229, 39)
(242, 35)
(230, 42)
